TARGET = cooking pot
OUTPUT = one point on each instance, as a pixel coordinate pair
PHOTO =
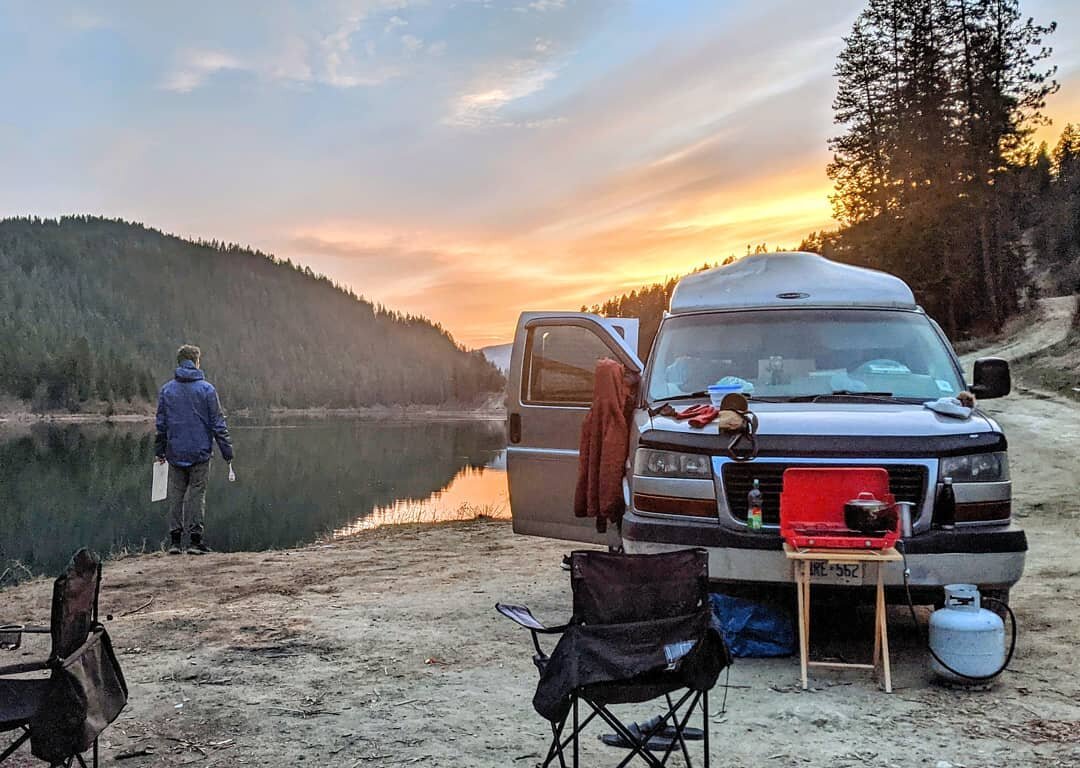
(868, 514)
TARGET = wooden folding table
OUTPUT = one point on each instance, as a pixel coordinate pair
(801, 560)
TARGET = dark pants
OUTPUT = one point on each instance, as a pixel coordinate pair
(187, 497)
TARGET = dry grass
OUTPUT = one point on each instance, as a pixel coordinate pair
(421, 513)
(14, 573)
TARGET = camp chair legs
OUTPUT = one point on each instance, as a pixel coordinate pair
(558, 743)
(77, 758)
(639, 743)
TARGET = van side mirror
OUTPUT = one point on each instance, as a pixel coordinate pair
(992, 378)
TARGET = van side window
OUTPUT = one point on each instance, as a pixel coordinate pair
(560, 361)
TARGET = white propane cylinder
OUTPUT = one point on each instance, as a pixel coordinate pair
(966, 636)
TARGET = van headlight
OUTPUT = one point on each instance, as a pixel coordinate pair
(976, 468)
(653, 463)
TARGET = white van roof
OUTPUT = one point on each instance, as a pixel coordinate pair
(789, 280)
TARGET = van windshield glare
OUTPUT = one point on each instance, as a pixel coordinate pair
(805, 352)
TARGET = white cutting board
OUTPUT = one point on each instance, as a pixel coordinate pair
(160, 485)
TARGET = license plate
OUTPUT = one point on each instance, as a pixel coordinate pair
(838, 574)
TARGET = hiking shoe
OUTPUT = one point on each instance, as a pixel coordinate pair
(197, 546)
(174, 546)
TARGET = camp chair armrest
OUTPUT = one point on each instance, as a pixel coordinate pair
(11, 635)
(520, 614)
(28, 629)
(19, 669)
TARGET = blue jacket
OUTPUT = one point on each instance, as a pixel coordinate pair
(189, 418)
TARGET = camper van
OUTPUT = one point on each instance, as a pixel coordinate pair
(837, 363)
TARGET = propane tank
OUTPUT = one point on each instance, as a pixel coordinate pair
(966, 636)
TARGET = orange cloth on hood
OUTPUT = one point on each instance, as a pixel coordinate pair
(699, 415)
(605, 442)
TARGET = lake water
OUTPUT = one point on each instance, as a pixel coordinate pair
(62, 487)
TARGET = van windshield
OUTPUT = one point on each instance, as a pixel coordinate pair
(805, 352)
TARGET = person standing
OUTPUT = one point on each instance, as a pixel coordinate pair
(189, 420)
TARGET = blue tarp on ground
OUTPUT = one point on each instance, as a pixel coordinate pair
(754, 629)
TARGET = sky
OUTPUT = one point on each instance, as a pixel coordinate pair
(465, 159)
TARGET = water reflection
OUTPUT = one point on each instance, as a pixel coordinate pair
(62, 487)
(471, 494)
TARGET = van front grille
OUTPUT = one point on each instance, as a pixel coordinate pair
(907, 482)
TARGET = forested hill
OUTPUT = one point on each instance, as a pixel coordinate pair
(92, 311)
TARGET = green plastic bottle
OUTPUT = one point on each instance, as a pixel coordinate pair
(753, 507)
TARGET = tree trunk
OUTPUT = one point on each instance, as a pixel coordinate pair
(989, 269)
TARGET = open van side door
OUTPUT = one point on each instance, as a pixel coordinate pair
(550, 386)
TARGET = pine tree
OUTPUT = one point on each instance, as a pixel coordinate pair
(937, 99)
(1004, 87)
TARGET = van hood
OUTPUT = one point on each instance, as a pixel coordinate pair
(845, 419)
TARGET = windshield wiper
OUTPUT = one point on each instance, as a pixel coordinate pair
(840, 394)
(688, 396)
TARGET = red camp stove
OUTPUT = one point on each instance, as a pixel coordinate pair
(812, 507)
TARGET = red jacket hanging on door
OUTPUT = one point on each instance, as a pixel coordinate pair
(605, 441)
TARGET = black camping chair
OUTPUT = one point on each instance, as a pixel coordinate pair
(63, 715)
(641, 629)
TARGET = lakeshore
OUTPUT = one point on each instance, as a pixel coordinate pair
(490, 410)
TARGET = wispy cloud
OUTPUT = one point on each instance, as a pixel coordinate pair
(542, 6)
(343, 66)
(484, 100)
(342, 58)
(196, 66)
(337, 52)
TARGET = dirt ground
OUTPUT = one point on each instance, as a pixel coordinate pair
(385, 650)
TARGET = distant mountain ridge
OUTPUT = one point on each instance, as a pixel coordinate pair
(93, 309)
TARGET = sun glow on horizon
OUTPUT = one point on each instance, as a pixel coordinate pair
(476, 283)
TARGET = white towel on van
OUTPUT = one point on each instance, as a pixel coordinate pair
(949, 406)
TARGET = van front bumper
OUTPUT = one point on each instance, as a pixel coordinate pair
(989, 556)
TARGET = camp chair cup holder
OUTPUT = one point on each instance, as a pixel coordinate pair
(11, 637)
